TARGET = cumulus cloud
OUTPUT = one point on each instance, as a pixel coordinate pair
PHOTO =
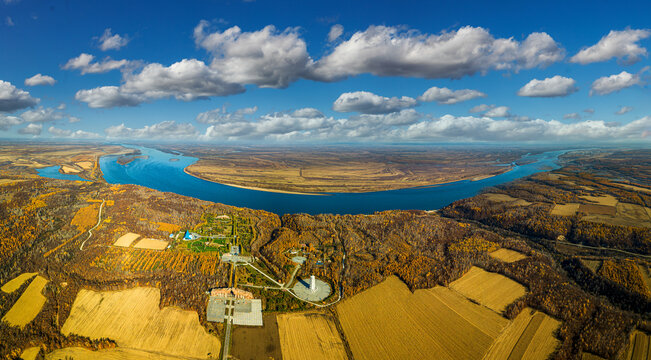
(6, 122)
(608, 84)
(84, 64)
(267, 58)
(221, 116)
(166, 129)
(480, 108)
(335, 32)
(368, 103)
(447, 96)
(393, 51)
(109, 41)
(572, 116)
(623, 110)
(39, 79)
(620, 44)
(42, 114)
(12, 98)
(498, 111)
(106, 97)
(185, 80)
(549, 87)
(31, 129)
(77, 134)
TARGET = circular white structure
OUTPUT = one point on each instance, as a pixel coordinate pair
(311, 289)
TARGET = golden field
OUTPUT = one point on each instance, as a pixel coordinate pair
(480, 285)
(309, 336)
(28, 305)
(111, 314)
(507, 255)
(15, 283)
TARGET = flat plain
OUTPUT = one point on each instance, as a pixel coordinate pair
(309, 336)
(387, 321)
(507, 255)
(480, 285)
(152, 244)
(126, 240)
(28, 305)
(110, 314)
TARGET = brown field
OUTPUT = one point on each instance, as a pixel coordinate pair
(639, 347)
(507, 255)
(327, 169)
(633, 187)
(492, 290)
(257, 342)
(126, 240)
(565, 209)
(606, 200)
(309, 335)
(153, 244)
(592, 264)
(30, 353)
(646, 275)
(15, 283)
(387, 321)
(86, 217)
(506, 198)
(69, 170)
(589, 356)
(592, 209)
(86, 165)
(28, 305)
(528, 336)
(634, 212)
(79, 353)
(110, 314)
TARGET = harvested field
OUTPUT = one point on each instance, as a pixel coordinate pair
(70, 170)
(588, 356)
(28, 305)
(86, 165)
(634, 212)
(110, 314)
(507, 255)
(86, 217)
(310, 335)
(153, 244)
(503, 198)
(646, 275)
(592, 264)
(492, 290)
(606, 200)
(259, 342)
(639, 347)
(126, 239)
(592, 209)
(565, 209)
(636, 188)
(387, 321)
(79, 353)
(15, 283)
(529, 336)
(30, 353)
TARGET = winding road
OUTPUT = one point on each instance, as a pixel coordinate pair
(99, 220)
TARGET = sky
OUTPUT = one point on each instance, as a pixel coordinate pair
(312, 72)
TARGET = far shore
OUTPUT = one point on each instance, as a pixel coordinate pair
(474, 178)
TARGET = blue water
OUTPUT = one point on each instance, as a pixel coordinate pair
(158, 172)
(53, 173)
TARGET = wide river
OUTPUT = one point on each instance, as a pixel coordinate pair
(156, 171)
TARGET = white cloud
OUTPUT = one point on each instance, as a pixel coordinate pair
(73, 119)
(608, 84)
(623, 110)
(480, 108)
(77, 134)
(572, 116)
(12, 98)
(392, 51)
(42, 114)
(106, 97)
(549, 87)
(447, 96)
(368, 103)
(620, 44)
(267, 58)
(498, 111)
(164, 130)
(589, 111)
(84, 64)
(335, 32)
(31, 129)
(109, 41)
(6, 122)
(221, 116)
(39, 79)
(9, 21)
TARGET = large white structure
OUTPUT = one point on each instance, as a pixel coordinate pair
(312, 283)
(311, 289)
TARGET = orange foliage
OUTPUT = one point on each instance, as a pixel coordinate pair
(625, 273)
(167, 227)
(135, 260)
(85, 217)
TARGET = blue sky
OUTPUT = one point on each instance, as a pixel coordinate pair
(214, 71)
